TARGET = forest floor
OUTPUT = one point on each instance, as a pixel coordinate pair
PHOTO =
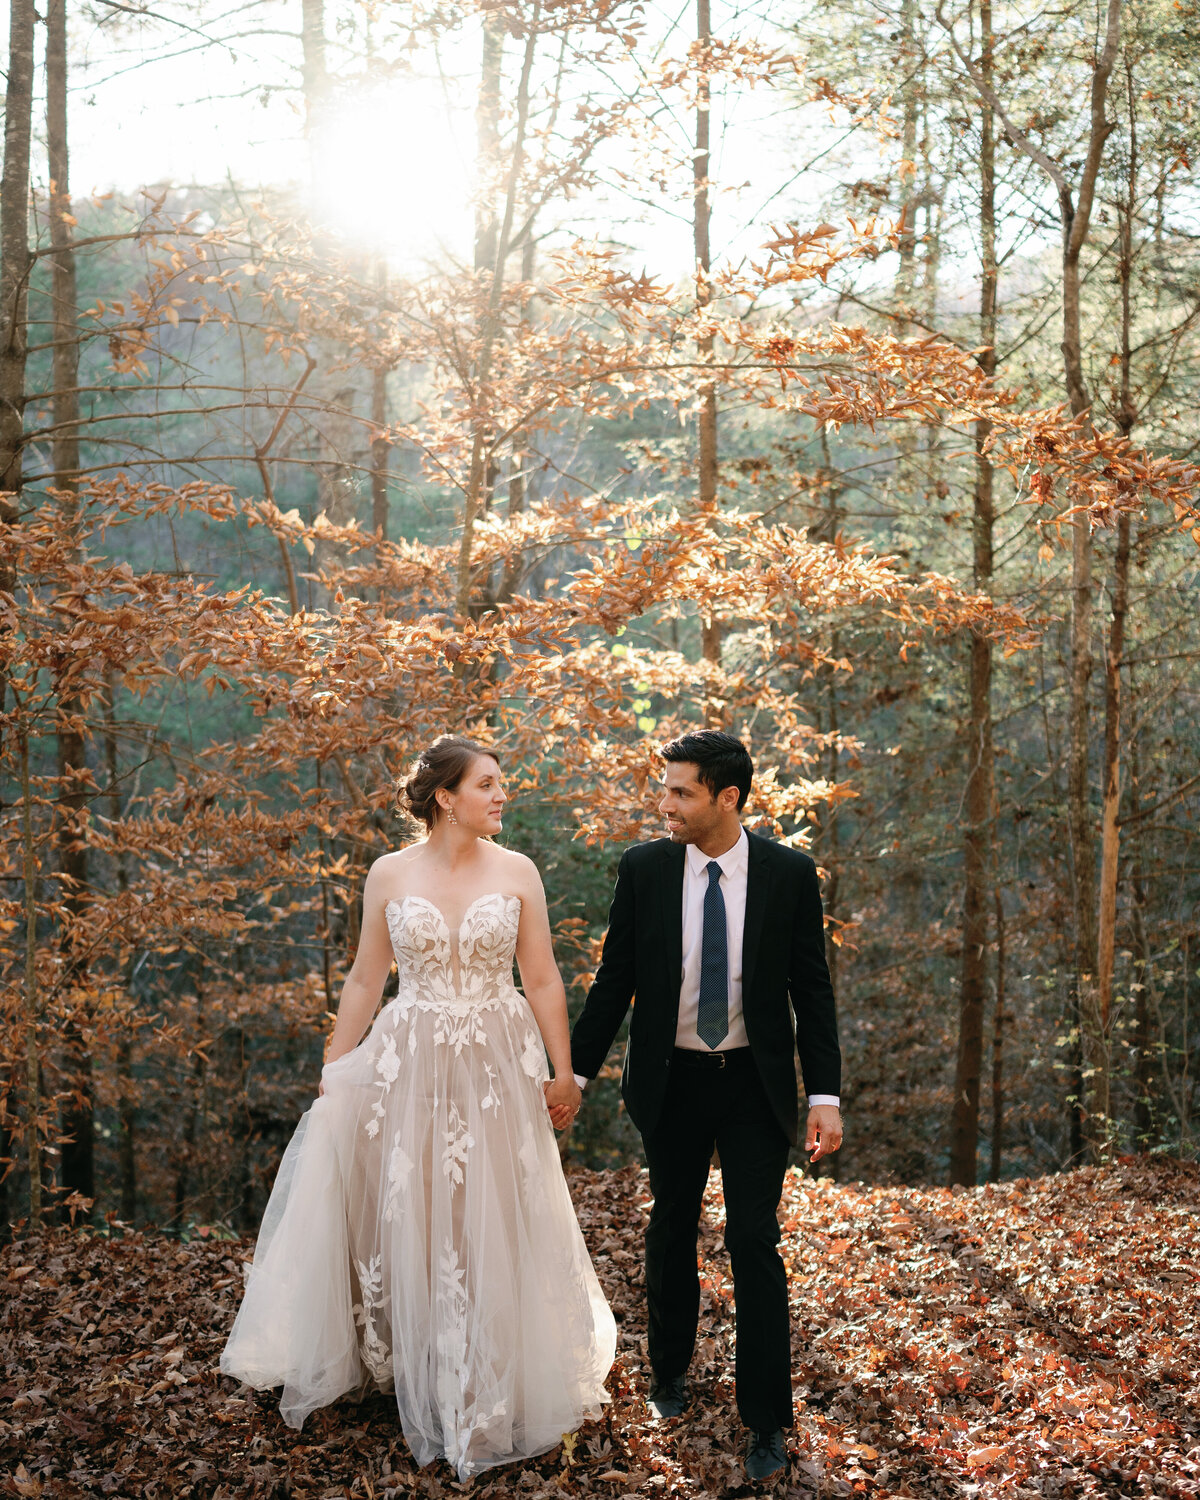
(1041, 1337)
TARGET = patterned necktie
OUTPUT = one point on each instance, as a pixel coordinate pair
(712, 1016)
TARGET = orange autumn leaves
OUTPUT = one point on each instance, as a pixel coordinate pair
(1030, 1337)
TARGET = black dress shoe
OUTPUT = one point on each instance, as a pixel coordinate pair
(668, 1398)
(766, 1454)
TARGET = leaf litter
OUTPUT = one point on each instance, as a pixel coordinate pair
(1038, 1337)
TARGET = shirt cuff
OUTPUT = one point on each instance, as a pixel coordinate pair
(815, 1099)
(581, 1080)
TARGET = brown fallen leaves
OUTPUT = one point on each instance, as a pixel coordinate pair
(1039, 1338)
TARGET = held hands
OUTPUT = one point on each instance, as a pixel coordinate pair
(823, 1135)
(563, 1096)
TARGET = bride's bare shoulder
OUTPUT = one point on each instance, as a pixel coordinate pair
(518, 870)
(388, 865)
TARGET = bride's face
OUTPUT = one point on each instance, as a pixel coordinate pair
(478, 800)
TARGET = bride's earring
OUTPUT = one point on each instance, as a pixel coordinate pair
(451, 819)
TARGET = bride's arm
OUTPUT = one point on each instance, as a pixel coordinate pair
(543, 988)
(366, 979)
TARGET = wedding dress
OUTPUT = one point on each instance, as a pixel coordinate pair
(420, 1237)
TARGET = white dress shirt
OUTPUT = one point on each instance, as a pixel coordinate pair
(734, 865)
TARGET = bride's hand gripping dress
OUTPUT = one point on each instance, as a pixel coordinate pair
(420, 1237)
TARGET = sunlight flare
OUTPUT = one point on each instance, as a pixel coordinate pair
(392, 171)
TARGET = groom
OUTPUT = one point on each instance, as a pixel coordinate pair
(715, 930)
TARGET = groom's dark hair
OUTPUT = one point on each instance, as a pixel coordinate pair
(720, 760)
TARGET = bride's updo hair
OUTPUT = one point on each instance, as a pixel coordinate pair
(441, 765)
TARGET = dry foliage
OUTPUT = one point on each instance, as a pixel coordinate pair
(1036, 1338)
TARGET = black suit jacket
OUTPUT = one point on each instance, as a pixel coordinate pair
(783, 960)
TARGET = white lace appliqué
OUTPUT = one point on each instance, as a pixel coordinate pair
(375, 1352)
(452, 1345)
(490, 1100)
(458, 1141)
(400, 1168)
(533, 1058)
(533, 1176)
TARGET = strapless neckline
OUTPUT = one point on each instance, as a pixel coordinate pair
(425, 901)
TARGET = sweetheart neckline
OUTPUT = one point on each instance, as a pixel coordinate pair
(487, 895)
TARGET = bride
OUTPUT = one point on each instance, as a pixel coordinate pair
(419, 1236)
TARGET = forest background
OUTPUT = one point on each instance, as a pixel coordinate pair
(567, 373)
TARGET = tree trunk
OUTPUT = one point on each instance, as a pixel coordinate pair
(380, 447)
(1100, 1104)
(498, 588)
(192, 1118)
(830, 1166)
(78, 1115)
(998, 1020)
(964, 1130)
(314, 83)
(126, 1087)
(908, 480)
(710, 624)
(126, 1130)
(518, 483)
(8, 1098)
(1079, 812)
(481, 459)
(977, 840)
(14, 262)
(64, 296)
(78, 1125)
(490, 261)
(29, 997)
(14, 266)
(1111, 777)
(1075, 223)
(910, 107)
(379, 454)
(315, 77)
(1145, 1040)
(487, 142)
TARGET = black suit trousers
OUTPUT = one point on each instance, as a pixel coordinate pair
(707, 1106)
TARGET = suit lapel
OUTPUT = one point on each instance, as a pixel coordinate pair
(757, 882)
(672, 910)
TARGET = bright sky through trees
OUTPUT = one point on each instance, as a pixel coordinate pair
(393, 172)
(155, 102)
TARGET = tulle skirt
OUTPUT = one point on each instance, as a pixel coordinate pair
(420, 1238)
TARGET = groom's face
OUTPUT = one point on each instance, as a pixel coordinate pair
(689, 807)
